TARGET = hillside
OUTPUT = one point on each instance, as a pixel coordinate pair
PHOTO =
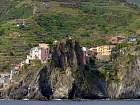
(134, 1)
(68, 77)
(25, 23)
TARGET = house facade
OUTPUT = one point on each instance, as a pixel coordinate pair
(35, 53)
(40, 52)
(102, 52)
(44, 51)
(4, 80)
(105, 50)
(117, 39)
(132, 38)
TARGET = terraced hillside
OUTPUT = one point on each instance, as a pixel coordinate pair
(25, 23)
(135, 1)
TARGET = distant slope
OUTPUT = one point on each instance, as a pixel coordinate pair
(135, 1)
(13, 9)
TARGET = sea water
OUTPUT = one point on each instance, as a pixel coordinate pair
(69, 102)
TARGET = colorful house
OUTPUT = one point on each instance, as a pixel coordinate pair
(132, 38)
(102, 52)
(44, 52)
(4, 77)
(40, 52)
(35, 53)
(4, 80)
(105, 50)
(117, 39)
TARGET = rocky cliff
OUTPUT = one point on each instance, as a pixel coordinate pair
(65, 76)
(127, 66)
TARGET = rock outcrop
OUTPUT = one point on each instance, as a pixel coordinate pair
(128, 72)
(65, 77)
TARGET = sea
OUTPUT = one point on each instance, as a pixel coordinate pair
(69, 102)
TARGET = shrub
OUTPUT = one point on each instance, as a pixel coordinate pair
(122, 45)
(100, 42)
(1, 32)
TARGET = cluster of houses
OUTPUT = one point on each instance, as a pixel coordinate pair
(41, 52)
(103, 52)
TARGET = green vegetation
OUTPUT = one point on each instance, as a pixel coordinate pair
(92, 22)
(122, 45)
(110, 72)
(15, 9)
(20, 12)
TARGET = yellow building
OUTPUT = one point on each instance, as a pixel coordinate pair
(105, 49)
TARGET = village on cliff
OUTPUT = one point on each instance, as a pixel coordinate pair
(42, 52)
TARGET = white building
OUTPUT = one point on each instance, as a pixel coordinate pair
(85, 55)
(4, 77)
(40, 52)
(35, 53)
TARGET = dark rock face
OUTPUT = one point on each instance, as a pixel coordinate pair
(85, 88)
(56, 56)
(63, 54)
(77, 80)
(69, 52)
(19, 93)
(44, 85)
(79, 54)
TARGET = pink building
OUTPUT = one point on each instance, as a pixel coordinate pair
(44, 52)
